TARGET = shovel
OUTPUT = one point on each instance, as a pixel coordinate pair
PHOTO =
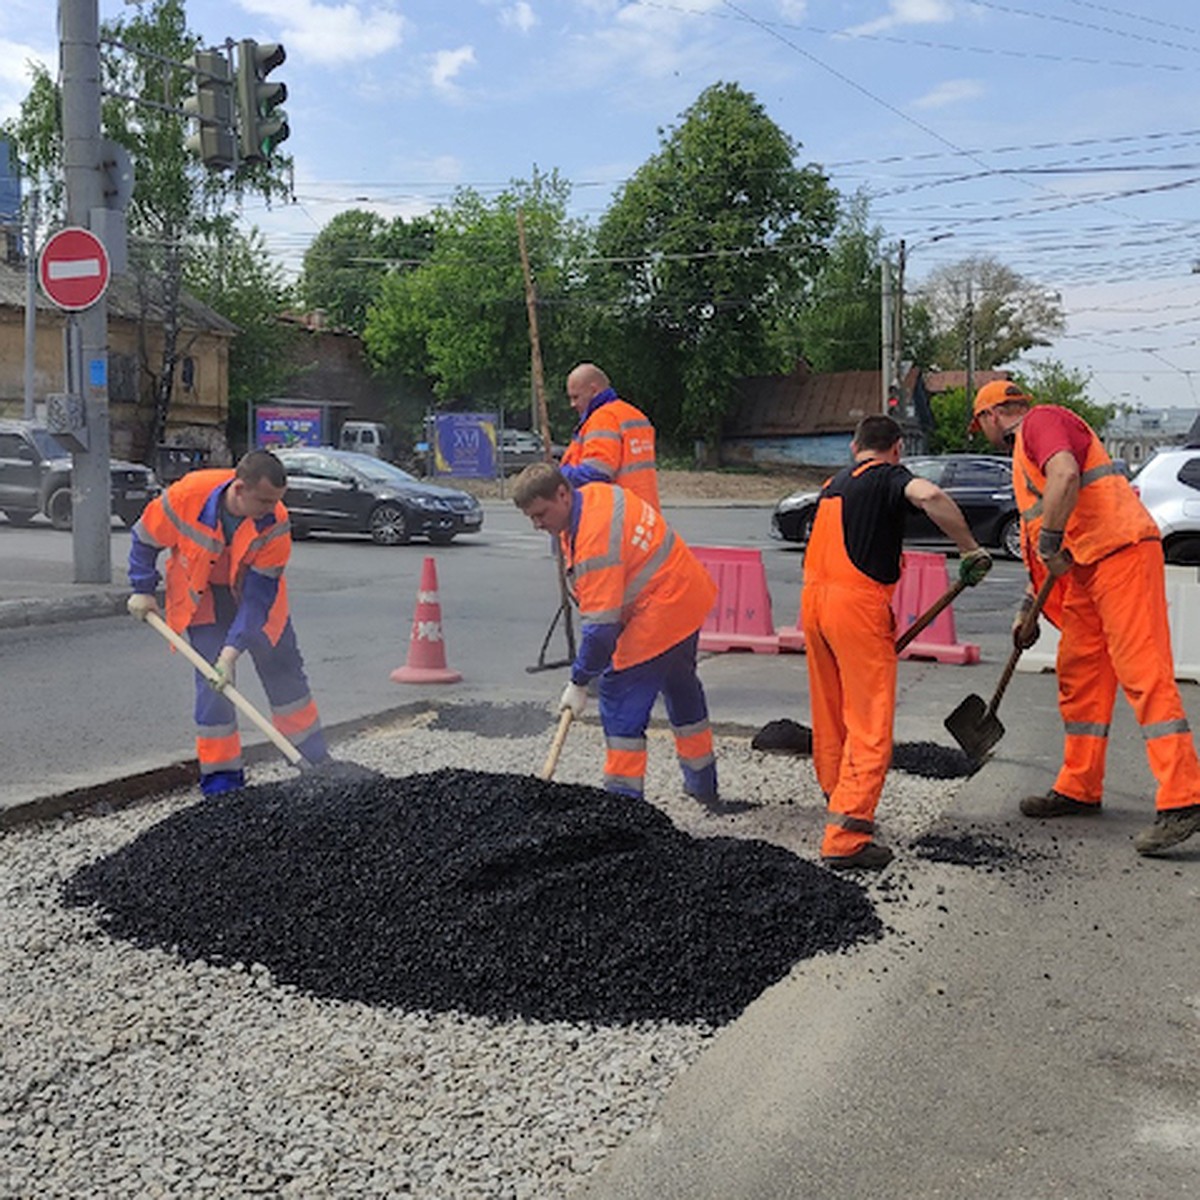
(974, 724)
(560, 736)
(927, 617)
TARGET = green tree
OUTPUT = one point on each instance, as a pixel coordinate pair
(145, 77)
(979, 300)
(839, 320)
(709, 241)
(233, 273)
(459, 319)
(348, 260)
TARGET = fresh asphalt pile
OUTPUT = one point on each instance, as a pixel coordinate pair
(151, 1068)
(491, 894)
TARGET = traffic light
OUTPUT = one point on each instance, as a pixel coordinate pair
(211, 106)
(262, 124)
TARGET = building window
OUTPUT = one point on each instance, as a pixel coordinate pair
(122, 378)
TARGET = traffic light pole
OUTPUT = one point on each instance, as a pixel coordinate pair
(87, 375)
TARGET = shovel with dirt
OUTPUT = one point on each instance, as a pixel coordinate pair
(974, 724)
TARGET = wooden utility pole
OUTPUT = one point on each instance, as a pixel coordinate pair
(539, 385)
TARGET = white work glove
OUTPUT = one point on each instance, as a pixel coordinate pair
(225, 667)
(575, 698)
(141, 603)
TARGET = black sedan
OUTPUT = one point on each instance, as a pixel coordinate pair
(340, 491)
(980, 484)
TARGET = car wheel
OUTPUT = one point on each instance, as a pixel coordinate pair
(388, 525)
(17, 516)
(1010, 537)
(58, 509)
(300, 533)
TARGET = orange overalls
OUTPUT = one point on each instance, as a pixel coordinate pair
(1111, 608)
(206, 579)
(849, 632)
(615, 441)
(633, 574)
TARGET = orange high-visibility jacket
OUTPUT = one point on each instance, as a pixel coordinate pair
(616, 441)
(1107, 516)
(629, 568)
(178, 520)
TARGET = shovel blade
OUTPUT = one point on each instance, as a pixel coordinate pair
(974, 728)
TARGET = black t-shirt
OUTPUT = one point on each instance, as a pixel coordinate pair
(873, 512)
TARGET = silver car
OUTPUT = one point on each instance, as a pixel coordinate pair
(1169, 485)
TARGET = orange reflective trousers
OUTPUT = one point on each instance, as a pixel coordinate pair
(1114, 630)
(849, 633)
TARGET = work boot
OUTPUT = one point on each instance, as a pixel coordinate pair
(872, 857)
(1171, 826)
(1055, 804)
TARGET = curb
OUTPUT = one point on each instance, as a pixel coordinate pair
(14, 614)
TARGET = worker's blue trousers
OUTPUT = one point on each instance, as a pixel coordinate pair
(626, 700)
(293, 712)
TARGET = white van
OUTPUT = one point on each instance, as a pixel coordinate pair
(366, 437)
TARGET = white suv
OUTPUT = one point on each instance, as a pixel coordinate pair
(1169, 485)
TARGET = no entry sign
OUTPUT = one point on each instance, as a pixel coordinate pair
(73, 268)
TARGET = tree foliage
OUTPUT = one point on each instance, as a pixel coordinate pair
(980, 299)
(705, 242)
(348, 260)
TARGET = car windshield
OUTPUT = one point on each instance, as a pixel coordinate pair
(48, 446)
(375, 469)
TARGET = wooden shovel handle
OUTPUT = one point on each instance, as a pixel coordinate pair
(930, 614)
(560, 736)
(1039, 601)
(238, 700)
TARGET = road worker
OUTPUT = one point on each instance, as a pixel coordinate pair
(851, 568)
(643, 596)
(227, 532)
(613, 442)
(1081, 521)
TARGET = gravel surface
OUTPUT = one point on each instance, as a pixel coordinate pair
(133, 1070)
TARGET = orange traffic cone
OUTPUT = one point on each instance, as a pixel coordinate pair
(426, 649)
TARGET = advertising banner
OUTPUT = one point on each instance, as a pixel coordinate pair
(279, 425)
(464, 445)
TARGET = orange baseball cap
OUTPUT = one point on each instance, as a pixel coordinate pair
(999, 391)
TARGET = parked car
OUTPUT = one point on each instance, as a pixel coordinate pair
(980, 484)
(341, 491)
(1169, 485)
(35, 478)
(518, 448)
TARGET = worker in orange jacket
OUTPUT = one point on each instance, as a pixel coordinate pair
(851, 567)
(228, 537)
(643, 596)
(613, 442)
(1082, 522)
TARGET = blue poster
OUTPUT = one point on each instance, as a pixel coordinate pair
(465, 445)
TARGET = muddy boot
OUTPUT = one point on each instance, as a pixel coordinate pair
(1171, 826)
(1055, 804)
(872, 857)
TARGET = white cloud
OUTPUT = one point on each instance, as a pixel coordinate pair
(15, 76)
(519, 16)
(331, 33)
(908, 12)
(447, 64)
(952, 91)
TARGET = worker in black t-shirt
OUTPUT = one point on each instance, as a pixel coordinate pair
(850, 571)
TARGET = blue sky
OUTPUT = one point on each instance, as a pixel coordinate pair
(1061, 137)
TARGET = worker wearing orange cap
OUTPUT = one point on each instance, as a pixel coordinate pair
(1081, 521)
(851, 568)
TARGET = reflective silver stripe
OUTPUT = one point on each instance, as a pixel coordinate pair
(627, 783)
(604, 616)
(683, 731)
(612, 553)
(1166, 728)
(630, 468)
(1094, 473)
(853, 824)
(269, 572)
(197, 533)
(697, 764)
(599, 466)
(601, 435)
(145, 536)
(286, 710)
(217, 731)
(634, 423)
(229, 764)
(1085, 729)
(193, 596)
(278, 530)
(1034, 510)
(637, 745)
(649, 569)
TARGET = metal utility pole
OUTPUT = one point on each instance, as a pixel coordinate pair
(31, 302)
(87, 340)
(887, 325)
(970, 345)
